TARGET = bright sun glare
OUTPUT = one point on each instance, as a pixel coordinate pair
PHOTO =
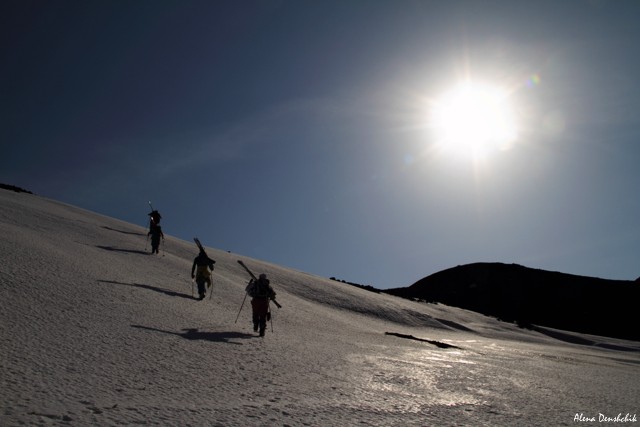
(474, 119)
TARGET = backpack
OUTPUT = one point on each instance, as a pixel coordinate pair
(259, 289)
(203, 271)
(155, 218)
(202, 260)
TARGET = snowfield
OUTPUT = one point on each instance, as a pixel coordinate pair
(96, 331)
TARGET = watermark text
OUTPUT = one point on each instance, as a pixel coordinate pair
(602, 418)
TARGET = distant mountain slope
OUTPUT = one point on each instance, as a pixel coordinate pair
(520, 294)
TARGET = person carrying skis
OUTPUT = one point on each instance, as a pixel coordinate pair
(156, 234)
(260, 292)
(201, 272)
(154, 219)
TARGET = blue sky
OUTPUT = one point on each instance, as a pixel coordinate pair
(299, 132)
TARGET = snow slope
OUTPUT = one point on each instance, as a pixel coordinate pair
(96, 331)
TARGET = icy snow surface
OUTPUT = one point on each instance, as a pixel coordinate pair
(96, 331)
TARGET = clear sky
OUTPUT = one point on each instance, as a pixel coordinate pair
(311, 133)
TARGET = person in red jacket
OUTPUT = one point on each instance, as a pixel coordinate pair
(260, 292)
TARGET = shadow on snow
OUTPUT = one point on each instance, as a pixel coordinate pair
(122, 231)
(132, 251)
(195, 335)
(411, 337)
(567, 336)
(151, 288)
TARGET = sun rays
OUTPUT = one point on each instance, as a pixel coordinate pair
(473, 119)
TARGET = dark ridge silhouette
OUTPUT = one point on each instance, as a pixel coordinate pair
(358, 285)
(14, 188)
(528, 296)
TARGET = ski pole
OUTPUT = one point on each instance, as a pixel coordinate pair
(271, 318)
(242, 305)
(192, 281)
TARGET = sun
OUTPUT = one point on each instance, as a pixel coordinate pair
(474, 119)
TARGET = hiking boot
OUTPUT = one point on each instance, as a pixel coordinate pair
(263, 326)
(255, 327)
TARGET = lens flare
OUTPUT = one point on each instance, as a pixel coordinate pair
(533, 80)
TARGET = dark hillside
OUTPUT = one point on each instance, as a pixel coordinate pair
(527, 296)
(14, 188)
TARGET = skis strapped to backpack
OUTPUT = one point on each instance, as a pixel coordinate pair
(201, 248)
(195, 239)
(154, 218)
(253, 276)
